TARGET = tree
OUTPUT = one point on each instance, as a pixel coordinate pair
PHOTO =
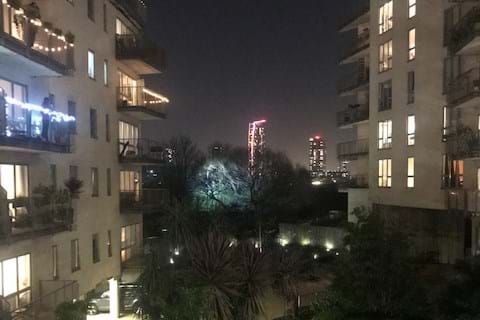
(376, 279)
(182, 169)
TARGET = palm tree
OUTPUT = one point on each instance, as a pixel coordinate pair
(213, 260)
(255, 271)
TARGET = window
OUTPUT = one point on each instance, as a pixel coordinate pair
(91, 9)
(95, 249)
(121, 28)
(91, 64)
(385, 17)
(53, 175)
(14, 180)
(385, 134)
(16, 284)
(129, 241)
(109, 243)
(452, 69)
(94, 182)
(73, 172)
(107, 128)
(386, 55)
(128, 137)
(411, 87)
(445, 124)
(412, 8)
(105, 19)
(72, 111)
(109, 182)
(385, 173)
(453, 172)
(54, 262)
(385, 95)
(451, 17)
(411, 44)
(411, 130)
(75, 251)
(411, 172)
(93, 124)
(105, 72)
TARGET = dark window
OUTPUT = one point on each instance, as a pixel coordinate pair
(73, 172)
(72, 111)
(411, 87)
(105, 21)
(53, 175)
(93, 124)
(107, 128)
(385, 95)
(75, 251)
(109, 243)
(94, 182)
(91, 9)
(95, 249)
(109, 182)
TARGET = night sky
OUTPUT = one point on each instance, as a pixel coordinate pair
(233, 61)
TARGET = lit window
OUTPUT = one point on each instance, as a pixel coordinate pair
(386, 54)
(411, 173)
(385, 173)
(91, 64)
(445, 124)
(385, 17)
(10, 285)
(411, 44)
(385, 134)
(411, 130)
(412, 8)
(105, 72)
(16, 276)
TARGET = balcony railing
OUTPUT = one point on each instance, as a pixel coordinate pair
(352, 149)
(136, 47)
(35, 128)
(358, 182)
(353, 114)
(352, 18)
(134, 9)
(465, 87)
(464, 31)
(362, 42)
(31, 40)
(352, 82)
(143, 201)
(463, 142)
(142, 151)
(140, 99)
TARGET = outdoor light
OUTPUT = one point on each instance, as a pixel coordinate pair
(328, 246)
(172, 261)
(176, 252)
(315, 256)
(283, 242)
(306, 242)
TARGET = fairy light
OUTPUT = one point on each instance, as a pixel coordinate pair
(159, 97)
(56, 115)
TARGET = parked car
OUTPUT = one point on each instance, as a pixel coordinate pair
(128, 296)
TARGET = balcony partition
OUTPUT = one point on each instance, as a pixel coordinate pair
(32, 45)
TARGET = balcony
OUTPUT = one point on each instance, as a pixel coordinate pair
(141, 103)
(141, 151)
(140, 54)
(463, 142)
(464, 37)
(352, 150)
(32, 47)
(143, 201)
(360, 17)
(465, 89)
(358, 49)
(353, 115)
(353, 83)
(135, 10)
(31, 128)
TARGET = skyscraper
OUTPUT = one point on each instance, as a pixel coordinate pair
(318, 157)
(256, 141)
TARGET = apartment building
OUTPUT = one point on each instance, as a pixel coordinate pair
(424, 176)
(72, 102)
(353, 92)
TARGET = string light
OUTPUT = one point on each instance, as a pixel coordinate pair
(56, 115)
(161, 99)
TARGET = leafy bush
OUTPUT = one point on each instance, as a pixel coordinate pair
(71, 311)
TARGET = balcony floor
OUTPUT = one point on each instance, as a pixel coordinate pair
(142, 113)
(30, 145)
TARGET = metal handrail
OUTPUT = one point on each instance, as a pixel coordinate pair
(353, 81)
(141, 149)
(357, 14)
(352, 148)
(465, 30)
(352, 115)
(137, 46)
(464, 86)
(362, 42)
(145, 199)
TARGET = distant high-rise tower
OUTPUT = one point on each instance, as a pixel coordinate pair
(256, 141)
(318, 157)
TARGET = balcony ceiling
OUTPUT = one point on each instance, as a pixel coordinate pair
(142, 113)
(472, 48)
(140, 66)
(22, 63)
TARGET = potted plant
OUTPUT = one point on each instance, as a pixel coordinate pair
(16, 4)
(74, 187)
